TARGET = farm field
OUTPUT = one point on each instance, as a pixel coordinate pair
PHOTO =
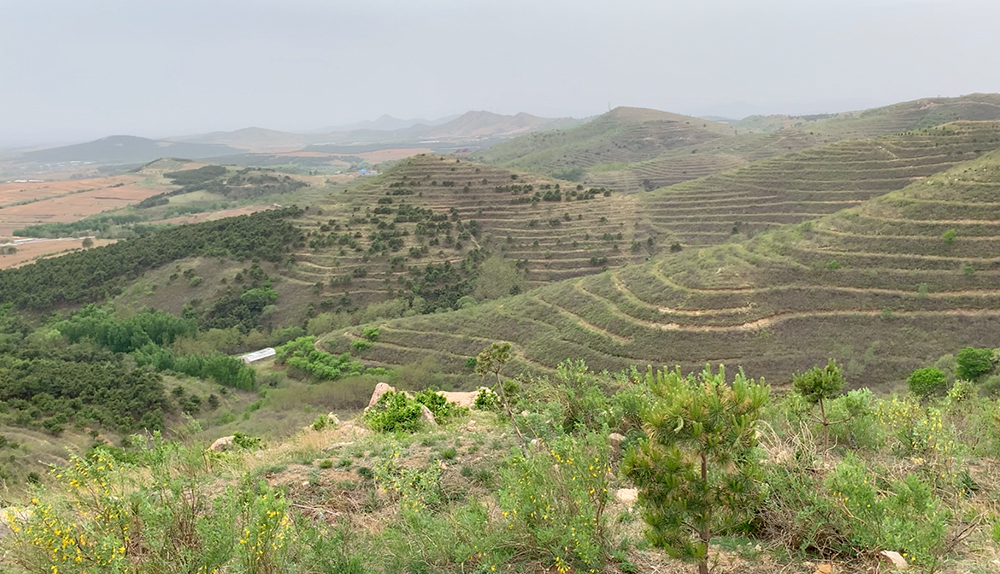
(29, 252)
(882, 287)
(71, 205)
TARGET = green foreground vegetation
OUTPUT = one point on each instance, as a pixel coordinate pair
(728, 474)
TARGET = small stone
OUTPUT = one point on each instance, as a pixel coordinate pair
(895, 558)
(337, 445)
(824, 569)
(627, 496)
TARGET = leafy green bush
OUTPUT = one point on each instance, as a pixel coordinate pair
(393, 412)
(972, 363)
(361, 345)
(370, 333)
(226, 370)
(302, 354)
(486, 400)
(927, 382)
(438, 405)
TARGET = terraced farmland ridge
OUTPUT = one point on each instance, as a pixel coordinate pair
(639, 150)
(808, 184)
(883, 287)
(431, 219)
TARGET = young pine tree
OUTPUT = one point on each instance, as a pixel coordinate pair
(817, 385)
(698, 466)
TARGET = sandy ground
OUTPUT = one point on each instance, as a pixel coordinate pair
(39, 248)
(392, 154)
(212, 216)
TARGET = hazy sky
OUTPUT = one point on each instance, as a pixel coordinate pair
(74, 69)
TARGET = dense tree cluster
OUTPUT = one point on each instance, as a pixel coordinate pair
(96, 273)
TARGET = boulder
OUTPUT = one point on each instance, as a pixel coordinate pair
(222, 444)
(460, 399)
(427, 416)
(380, 389)
(895, 558)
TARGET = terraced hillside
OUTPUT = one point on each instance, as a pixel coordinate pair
(799, 186)
(623, 135)
(882, 287)
(425, 225)
(905, 116)
(696, 161)
(593, 154)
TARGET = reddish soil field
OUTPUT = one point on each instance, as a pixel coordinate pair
(28, 252)
(392, 154)
(20, 192)
(71, 207)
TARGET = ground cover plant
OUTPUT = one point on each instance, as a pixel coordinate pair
(908, 474)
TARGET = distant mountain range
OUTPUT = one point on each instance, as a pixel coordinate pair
(386, 122)
(125, 150)
(471, 127)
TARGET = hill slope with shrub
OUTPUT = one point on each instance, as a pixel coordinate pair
(881, 287)
(618, 149)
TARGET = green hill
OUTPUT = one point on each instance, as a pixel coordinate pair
(883, 287)
(811, 183)
(621, 135)
(618, 149)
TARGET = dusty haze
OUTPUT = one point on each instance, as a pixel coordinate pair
(76, 70)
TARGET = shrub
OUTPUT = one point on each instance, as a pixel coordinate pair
(438, 405)
(370, 333)
(973, 363)
(554, 498)
(246, 442)
(415, 488)
(486, 400)
(302, 354)
(152, 513)
(393, 412)
(927, 382)
(361, 345)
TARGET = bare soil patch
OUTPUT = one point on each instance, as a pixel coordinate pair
(28, 252)
(212, 216)
(392, 154)
(73, 207)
